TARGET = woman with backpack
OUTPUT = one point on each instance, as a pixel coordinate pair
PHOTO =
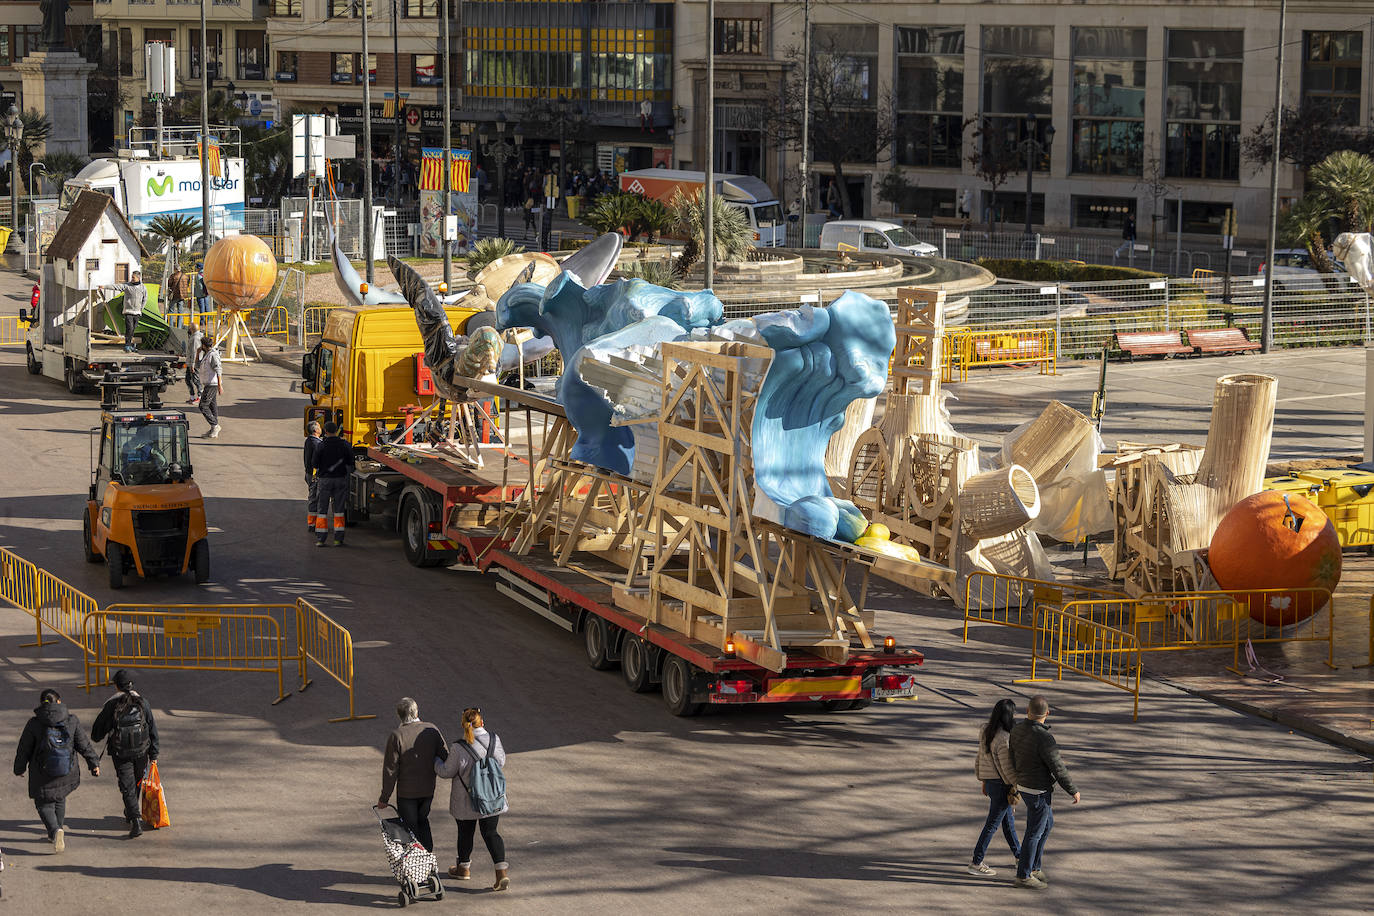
(994, 768)
(48, 748)
(479, 799)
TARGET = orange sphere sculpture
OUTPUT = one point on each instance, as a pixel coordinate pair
(240, 271)
(1276, 540)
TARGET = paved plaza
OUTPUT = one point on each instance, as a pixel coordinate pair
(615, 805)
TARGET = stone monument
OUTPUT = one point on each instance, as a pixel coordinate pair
(55, 84)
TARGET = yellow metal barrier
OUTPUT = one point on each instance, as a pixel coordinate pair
(315, 317)
(1105, 654)
(61, 608)
(223, 637)
(13, 332)
(1004, 348)
(18, 581)
(328, 645)
(1005, 600)
(1202, 273)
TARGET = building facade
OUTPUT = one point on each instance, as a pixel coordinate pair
(1148, 101)
(21, 35)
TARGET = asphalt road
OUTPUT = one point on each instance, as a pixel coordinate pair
(615, 805)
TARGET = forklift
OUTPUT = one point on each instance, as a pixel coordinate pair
(144, 514)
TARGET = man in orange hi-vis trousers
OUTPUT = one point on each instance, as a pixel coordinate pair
(332, 462)
(312, 439)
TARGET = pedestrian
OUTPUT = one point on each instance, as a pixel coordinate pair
(476, 745)
(529, 214)
(332, 461)
(312, 496)
(127, 720)
(966, 205)
(1035, 758)
(993, 767)
(211, 384)
(1128, 238)
(832, 200)
(202, 295)
(193, 337)
(408, 767)
(47, 749)
(646, 116)
(173, 293)
(135, 298)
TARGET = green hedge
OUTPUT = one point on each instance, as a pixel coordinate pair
(1063, 271)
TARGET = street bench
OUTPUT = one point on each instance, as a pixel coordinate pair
(1221, 340)
(1150, 343)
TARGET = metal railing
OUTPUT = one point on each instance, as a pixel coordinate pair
(12, 332)
(1106, 654)
(61, 608)
(1006, 600)
(1013, 346)
(327, 644)
(18, 581)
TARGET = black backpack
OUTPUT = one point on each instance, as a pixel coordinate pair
(56, 748)
(129, 738)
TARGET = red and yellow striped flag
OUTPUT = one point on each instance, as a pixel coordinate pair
(216, 162)
(432, 169)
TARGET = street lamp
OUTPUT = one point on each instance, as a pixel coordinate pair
(1033, 149)
(501, 149)
(14, 134)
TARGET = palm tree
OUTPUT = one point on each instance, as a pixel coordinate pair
(174, 229)
(58, 167)
(734, 237)
(488, 250)
(37, 130)
(1345, 179)
(1305, 223)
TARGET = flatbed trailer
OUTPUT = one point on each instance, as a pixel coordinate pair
(459, 517)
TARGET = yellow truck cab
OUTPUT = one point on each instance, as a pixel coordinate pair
(365, 368)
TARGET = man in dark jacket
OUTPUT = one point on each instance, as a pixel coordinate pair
(332, 460)
(409, 769)
(312, 439)
(127, 720)
(1035, 757)
(47, 749)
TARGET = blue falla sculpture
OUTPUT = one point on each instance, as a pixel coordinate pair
(823, 359)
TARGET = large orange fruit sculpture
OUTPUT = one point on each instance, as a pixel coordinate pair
(240, 271)
(1276, 540)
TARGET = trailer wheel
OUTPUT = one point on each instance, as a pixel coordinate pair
(87, 542)
(677, 687)
(114, 558)
(634, 664)
(35, 367)
(415, 534)
(596, 639)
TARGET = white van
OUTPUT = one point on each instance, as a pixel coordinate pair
(873, 235)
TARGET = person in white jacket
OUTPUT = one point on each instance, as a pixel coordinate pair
(476, 743)
(994, 768)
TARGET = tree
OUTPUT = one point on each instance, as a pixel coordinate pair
(1305, 224)
(894, 187)
(174, 230)
(993, 160)
(58, 167)
(1152, 181)
(1345, 182)
(734, 237)
(850, 121)
(1310, 134)
(37, 130)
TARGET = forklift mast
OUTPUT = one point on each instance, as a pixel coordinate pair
(137, 382)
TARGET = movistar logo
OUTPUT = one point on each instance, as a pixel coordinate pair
(158, 190)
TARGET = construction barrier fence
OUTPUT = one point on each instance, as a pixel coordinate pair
(1009, 600)
(224, 637)
(61, 608)
(18, 580)
(12, 332)
(1103, 653)
(1006, 347)
(327, 644)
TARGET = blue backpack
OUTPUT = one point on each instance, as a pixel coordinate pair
(56, 748)
(487, 791)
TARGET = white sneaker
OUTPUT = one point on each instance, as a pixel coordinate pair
(214, 432)
(981, 869)
(59, 842)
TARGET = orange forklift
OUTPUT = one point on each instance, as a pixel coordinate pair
(145, 514)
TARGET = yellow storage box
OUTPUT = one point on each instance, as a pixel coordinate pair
(1292, 485)
(1347, 498)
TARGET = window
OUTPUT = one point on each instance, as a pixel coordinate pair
(1331, 74)
(927, 202)
(1102, 212)
(28, 39)
(1018, 69)
(1203, 217)
(126, 52)
(287, 66)
(353, 8)
(252, 54)
(856, 50)
(426, 70)
(165, 35)
(1011, 207)
(343, 68)
(930, 97)
(422, 9)
(872, 240)
(285, 8)
(1108, 101)
(215, 44)
(1202, 104)
(4, 47)
(739, 36)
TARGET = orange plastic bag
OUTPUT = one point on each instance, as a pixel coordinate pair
(154, 802)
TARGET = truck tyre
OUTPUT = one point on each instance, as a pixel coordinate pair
(634, 664)
(35, 367)
(114, 558)
(596, 639)
(87, 542)
(200, 561)
(73, 378)
(415, 533)
(677, 687)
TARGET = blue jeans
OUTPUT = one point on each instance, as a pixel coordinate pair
(999, 814)
(1039, 821)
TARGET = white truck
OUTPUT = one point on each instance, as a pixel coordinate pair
(146, 188)
(744, 192)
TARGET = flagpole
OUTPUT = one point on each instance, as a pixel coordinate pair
(367, 150)
(204, 137)
(448, 152)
